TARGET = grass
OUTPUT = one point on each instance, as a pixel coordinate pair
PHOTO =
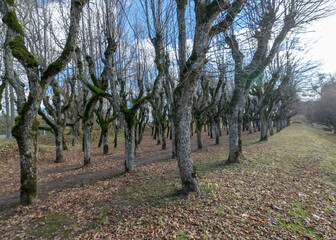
(283, 189)
(50, 225)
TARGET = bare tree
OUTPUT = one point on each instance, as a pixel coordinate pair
(26, 125)
(264, 18)
(206, 13)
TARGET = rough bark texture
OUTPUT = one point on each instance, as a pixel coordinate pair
(215, 124)
(263, 125)
(235, 121)
(7, 112)
(129, 148)
(87, 142)
(270, 126)
(59, 145)
(235, 153)
(182, 134)
(199, 134)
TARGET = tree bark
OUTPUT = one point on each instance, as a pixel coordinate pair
(199, 134)
(215, 125)
(115, 134)
(172, 131)
(254, 125)
(7, 112)
(87, 142)
(28, 150)
(164, 145)
(105, 143)
(182, 118)
(270, 126)
(235, 143)
(211, 128)
(59, 145)
(12, 109)
(158, 138)
(129, 148)
(249, 125)
(278, 125)
(263, 125)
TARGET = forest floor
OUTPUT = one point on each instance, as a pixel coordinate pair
(284, 188)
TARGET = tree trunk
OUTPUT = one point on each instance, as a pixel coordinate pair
(199, 133)
(191, 129)
(278, 124)
(140, 133)
(105, 142)
(78, 133)
(226, 127)
(155, 132)
(100, 139)
(182, 120)
(172, 134)
(215, 125)
(26, 131)
(59, 145)
(8, 125)
(158, 131)
(263, 125)
(115, 134)
(11, 94)
(65, 147)
(73, 135)
(129, 148)
(136, 136)
(211, 128)
(235, 143)
(87, 143)
(254, 125)
(270, 126)
(258, 125)
(249, 125)
(163, 137)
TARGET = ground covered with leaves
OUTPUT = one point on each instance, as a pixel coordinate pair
(283, 189)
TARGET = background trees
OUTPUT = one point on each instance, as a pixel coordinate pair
(324, 109)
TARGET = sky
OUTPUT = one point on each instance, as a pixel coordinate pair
(323, 43)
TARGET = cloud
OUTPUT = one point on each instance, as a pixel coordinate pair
(322, 37)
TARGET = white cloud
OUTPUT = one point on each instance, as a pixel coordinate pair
(323, 47)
